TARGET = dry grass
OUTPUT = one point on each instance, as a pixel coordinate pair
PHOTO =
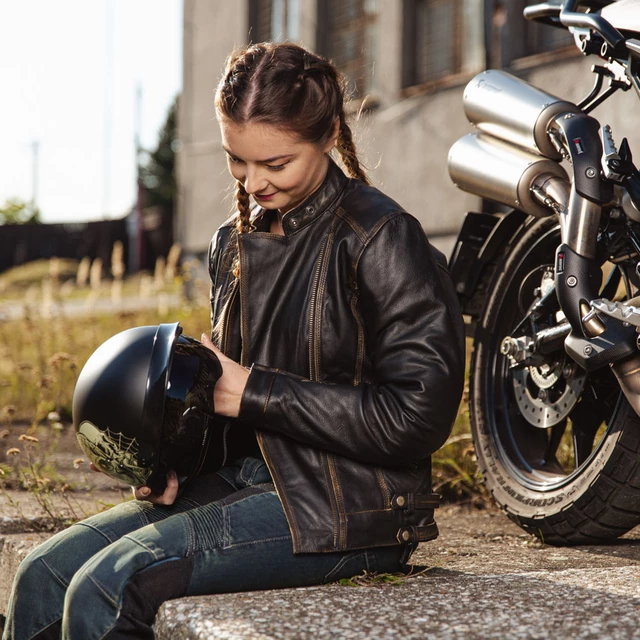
(40, 359)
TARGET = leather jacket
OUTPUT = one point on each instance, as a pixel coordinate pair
(351, 327)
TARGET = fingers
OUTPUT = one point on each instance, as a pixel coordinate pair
(168, 497)
(206, 341)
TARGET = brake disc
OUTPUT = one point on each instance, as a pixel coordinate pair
(546, 395)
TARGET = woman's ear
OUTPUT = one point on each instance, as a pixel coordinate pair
(331, 142)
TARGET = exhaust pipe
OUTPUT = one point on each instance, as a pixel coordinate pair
(514, 110)
(496, 170)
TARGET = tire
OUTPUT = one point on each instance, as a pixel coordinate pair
(564, 462)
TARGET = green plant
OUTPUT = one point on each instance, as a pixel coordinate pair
(373, 579)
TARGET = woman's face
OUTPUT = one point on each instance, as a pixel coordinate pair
(274, 166)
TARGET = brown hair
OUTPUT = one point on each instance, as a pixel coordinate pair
(284, 85)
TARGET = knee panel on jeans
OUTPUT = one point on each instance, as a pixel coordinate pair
(208, 527)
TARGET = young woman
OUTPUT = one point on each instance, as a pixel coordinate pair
(342, 352)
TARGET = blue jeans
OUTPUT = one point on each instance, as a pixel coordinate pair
(106, 577)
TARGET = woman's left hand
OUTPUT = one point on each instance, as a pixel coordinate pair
(228, 391)
(168, 497)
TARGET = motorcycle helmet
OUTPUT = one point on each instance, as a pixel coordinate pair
(143, 404)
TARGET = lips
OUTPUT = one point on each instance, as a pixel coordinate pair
(265, 196)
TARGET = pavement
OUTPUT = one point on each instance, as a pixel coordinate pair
(482, 578)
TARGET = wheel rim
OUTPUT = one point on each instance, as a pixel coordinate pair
(548, 421)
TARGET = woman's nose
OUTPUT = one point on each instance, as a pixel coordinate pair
(254, 181)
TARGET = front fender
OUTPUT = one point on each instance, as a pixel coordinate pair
(483, 238)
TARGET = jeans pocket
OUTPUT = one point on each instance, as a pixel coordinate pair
(347, 566)
(253, 471)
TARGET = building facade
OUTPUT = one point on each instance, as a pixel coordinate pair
(407, 63)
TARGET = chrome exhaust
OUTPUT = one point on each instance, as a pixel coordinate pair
(514, 110)
(496, 170)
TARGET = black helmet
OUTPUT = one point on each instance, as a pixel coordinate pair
(143, 404)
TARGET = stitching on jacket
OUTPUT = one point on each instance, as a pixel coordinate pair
(332, 500)
(266, 402)
(357, 229)
(295, 531)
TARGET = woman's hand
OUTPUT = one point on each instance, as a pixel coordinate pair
(145, 493)
(168, 497)
(228, 391)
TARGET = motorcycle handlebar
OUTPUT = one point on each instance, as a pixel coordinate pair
(566, 14)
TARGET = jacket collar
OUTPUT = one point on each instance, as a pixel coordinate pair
(317, 203)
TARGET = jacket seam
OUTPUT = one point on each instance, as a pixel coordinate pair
(357, 229)
(266, 401)
(295, 532)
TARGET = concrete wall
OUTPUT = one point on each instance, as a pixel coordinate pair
(404, 142)
(212, 29)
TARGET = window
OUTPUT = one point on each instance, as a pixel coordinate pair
(441, 38)
(347, 34)
(540, 38)
(274, 20)
(514, 37)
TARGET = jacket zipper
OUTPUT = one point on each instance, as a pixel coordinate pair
(313, 372)
(224, 342)
(339, 533)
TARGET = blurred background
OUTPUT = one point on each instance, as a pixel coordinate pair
(107, 124)
(113, 180)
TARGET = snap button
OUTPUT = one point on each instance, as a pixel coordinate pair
(406, 535)
(400, 501)
(293, 222)
(309, 209)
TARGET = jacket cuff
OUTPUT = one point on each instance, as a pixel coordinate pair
(255, 398)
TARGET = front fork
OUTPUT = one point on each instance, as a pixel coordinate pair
(595, 340)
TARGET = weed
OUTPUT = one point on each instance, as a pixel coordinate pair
(373, 579)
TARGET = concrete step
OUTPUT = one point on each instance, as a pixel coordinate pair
(485, 578)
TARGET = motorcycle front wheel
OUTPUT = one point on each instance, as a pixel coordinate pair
(559, 448)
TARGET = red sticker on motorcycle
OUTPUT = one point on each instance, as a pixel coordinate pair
(578, 144)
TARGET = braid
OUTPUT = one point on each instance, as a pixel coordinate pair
(347, 150)
(244, 210)
(243, 225)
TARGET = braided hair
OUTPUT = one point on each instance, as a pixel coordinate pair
(284, 85)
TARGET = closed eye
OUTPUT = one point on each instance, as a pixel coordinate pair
(277, 167)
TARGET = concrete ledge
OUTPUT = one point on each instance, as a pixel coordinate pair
(13, 548)
(486, 579)
(599, 603)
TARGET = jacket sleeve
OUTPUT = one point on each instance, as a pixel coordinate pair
(414, 339)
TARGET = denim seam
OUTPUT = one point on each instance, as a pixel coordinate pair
(241, 473)
(144, 546)
(90, 526)
(250, 542)
(191, 536)
(328, 577)
(39, 631)
(229, 482)
(226, 505)
(226, 528)
(104, 592)
(371, 562)
(54, 574)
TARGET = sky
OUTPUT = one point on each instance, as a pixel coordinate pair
(69, 77)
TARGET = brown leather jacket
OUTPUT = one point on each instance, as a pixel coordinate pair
(355, 340)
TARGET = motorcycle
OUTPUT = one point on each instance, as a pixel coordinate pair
(550, 288)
